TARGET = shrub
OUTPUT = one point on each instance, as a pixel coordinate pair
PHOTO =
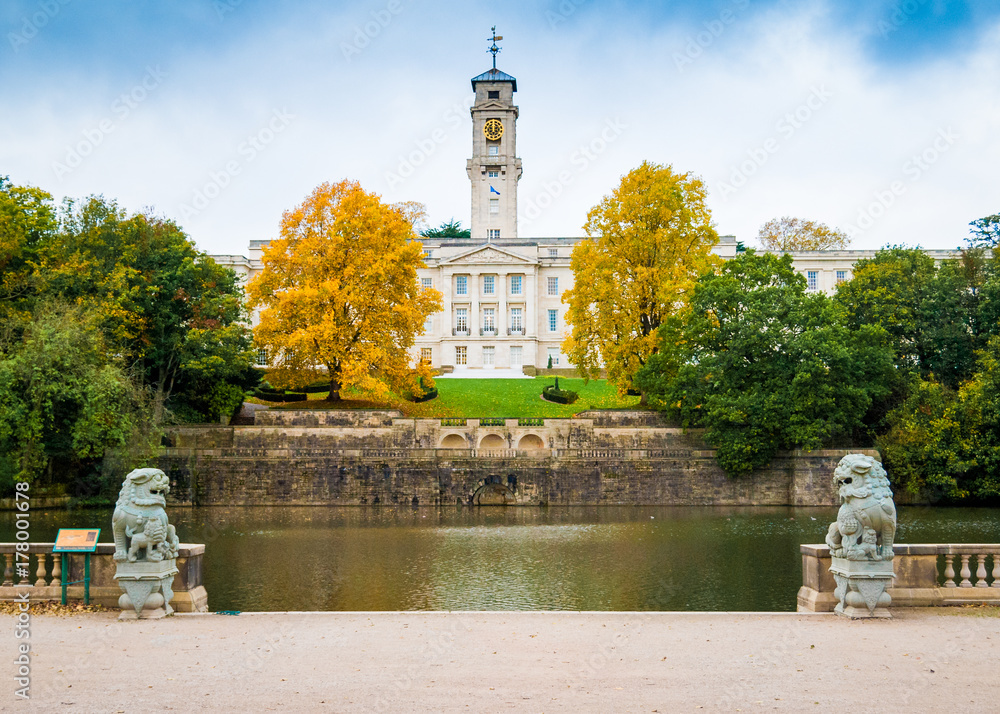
(559, 396)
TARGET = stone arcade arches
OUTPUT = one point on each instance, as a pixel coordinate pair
(492, 441)
(454, 441)
(530, 442)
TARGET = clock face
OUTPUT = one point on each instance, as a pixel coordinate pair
(493, 129)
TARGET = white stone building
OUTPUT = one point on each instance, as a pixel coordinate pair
(502, 294)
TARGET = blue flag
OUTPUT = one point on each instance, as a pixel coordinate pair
(493, 190)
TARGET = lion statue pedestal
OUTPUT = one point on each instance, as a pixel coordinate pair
(861, 538)
(145, 546)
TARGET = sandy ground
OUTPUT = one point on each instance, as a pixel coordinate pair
(945, 660)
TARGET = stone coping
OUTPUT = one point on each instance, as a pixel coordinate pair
(823, 551)
(184, 550)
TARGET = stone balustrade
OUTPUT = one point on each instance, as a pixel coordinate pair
(927, 575)
(45, 572)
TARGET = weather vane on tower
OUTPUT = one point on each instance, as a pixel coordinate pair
(493, 48)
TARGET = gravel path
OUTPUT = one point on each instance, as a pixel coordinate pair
(944, 660)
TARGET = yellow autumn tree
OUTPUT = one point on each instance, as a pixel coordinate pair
(648, 242)
(339, 290)
(789, 233)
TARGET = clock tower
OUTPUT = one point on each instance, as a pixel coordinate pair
(494, 168)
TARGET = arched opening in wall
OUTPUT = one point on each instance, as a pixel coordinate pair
(494, 494)
(492, 441)
(531, 441)
(454, 441)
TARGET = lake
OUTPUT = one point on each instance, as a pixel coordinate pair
(494, 558)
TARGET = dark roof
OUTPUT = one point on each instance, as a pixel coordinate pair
(494, 75)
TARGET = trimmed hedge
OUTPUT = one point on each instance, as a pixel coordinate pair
(280, 396)
(559, 396)
(432, 394)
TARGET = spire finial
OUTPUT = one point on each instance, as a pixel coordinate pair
(493, 48)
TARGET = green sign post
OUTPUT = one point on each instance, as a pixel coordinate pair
(76, 540)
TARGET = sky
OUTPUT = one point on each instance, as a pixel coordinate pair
(879, 118)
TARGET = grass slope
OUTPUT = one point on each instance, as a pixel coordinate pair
(473, 398)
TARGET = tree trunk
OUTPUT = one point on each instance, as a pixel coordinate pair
(335, 386)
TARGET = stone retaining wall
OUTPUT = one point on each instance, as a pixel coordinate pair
(363, 458)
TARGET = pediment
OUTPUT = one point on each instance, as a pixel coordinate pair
(489, 255)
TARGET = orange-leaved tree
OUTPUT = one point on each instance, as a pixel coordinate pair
(789, 233)
(339, 290)
(649, 240)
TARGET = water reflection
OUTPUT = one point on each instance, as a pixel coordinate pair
(587, 558)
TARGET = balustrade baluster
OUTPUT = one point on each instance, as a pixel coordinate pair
(966, 573)
(40, 573)
(56, 569)
(996, 569)
(981, 571)
(8, 570)
(949, 571)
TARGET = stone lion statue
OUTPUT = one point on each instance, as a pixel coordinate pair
(139, 514)
(866, 522)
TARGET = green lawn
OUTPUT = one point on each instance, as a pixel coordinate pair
(472, 398)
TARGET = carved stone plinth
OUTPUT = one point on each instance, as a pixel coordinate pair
(861, 587)
(147, 585)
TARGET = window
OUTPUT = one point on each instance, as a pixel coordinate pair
(516, 319)
(553, 320)
(427, 282)
(494, 205)
(493, 94)
(462, 319)
(553, 284)
(488, 356)
(489, 285)
(489, 319)
(426, 355)
(812, 279)
(262, 357)
(493, 173)
(492, 233)
(493, 149)
(516, 356)
(461, 284)
(461, 356)
(553, 252)
(428, 324)
(554, 356)
(841, 276)
(515, 284)
(427, 254)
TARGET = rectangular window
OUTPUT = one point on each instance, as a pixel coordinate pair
(515, 284)
(553, 320)
(489, 319)
(841, 276)
(427, 254)
(493, 150)
(488, 356)
(426, 355)
(553, 252)
(489, 285)
(494, 205)
(516, 319)
(461, 356)
(428, 324)
(462, 319)
(812, 279)
(493, 233)
(461, 284)
(516, 356)
(427, 282)
(553, 284)
(553, 356)
(493, 173)
(262, 357)
(493, 94)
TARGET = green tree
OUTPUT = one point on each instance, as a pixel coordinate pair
(339, 290)
(27, 222)
(764, 365)
(986, 231)
(66, 400)
(648, 242)
(172, 311)
(448, 229)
